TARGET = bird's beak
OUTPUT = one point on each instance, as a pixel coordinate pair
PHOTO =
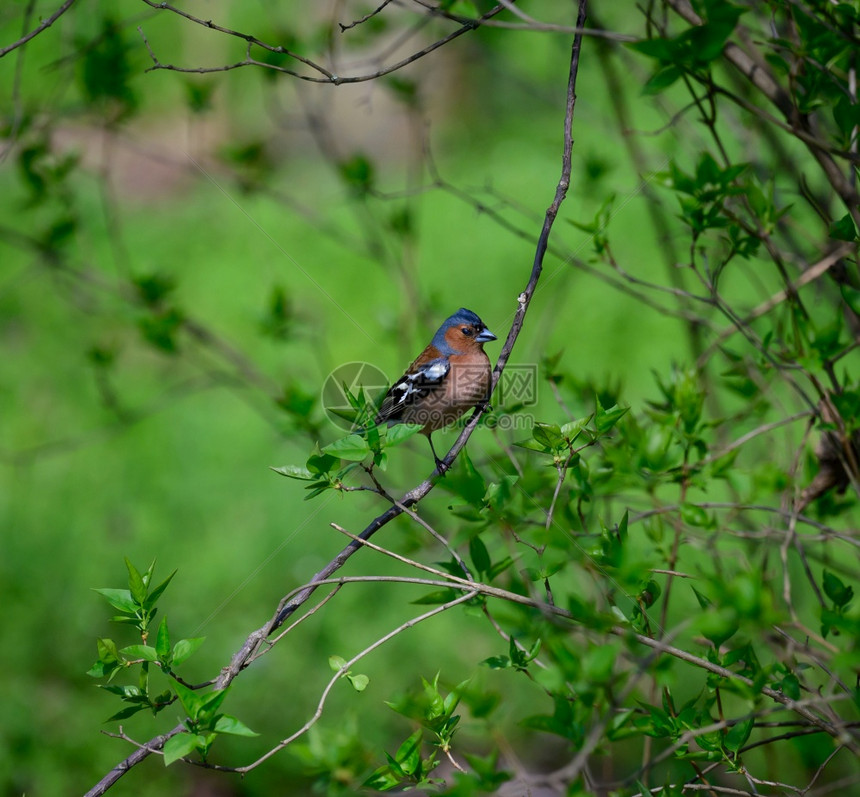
(485, 335)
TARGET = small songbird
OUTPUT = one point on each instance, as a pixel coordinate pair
(448, 378)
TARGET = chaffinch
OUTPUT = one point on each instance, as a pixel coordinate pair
(452, 375)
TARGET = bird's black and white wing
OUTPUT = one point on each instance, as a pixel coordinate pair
(415, 385)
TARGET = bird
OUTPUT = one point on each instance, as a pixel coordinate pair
(452, 375)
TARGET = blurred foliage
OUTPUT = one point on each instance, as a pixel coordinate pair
(649, 565)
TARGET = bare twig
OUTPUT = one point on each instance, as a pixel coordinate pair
(361, 20)
(343, 670)
(323, 75)
(46, 23)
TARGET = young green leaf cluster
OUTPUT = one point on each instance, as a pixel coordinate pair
(137, 607)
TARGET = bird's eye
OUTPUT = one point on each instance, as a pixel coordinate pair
(467, 331)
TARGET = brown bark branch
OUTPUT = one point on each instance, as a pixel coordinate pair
(36, 31)
(325, 75)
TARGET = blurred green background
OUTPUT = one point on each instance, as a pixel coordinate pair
(240, 189)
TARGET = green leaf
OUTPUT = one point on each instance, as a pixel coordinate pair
(145, 652)
(316, 488)
(155, 594)
(532, 445)
(408, 755)
(694, 515)
(738, 734)
(382, 779)
(843, 229)
(649, 594)
(353, 447)
(107, 650)
(358, 174)
(704, 600)
(359, 682)
(125, 713)
(573, 429)
(135, 583)
(836, 590)
(178, 746)
(790, 686)
(322, 463)
(233, 726)
(400, 432)
(499, 493)
(199, 96)
(154, 288)
(337, 663)
(499, 567)
(846, 114)
(295, 472)
(657, 47)
(604, 420)
(479, 554)
(147, 576)
(161, 329)
(124, 691)
(162, 640)
(191, 701)
(548, 435)
(562, 721)
(437, 597)
(184, 649)
(718, 625)
(103, 669)
(851, 297)
(107, 71)
(119, 598)
(661, 80)
(210, 703)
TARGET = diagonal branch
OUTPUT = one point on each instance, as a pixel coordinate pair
(46, 23)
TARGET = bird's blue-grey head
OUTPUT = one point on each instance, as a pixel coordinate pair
(470, 327)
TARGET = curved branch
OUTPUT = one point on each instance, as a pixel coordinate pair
(325, 75)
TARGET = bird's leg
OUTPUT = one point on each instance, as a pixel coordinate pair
(484, 406)
(440, 466)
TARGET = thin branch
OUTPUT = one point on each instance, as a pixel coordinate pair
(343, 670)
(154, 745)
(367, 16)
(208, 23)
(36, 31)
(809, 275)
(325, 75)
(529, 24)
